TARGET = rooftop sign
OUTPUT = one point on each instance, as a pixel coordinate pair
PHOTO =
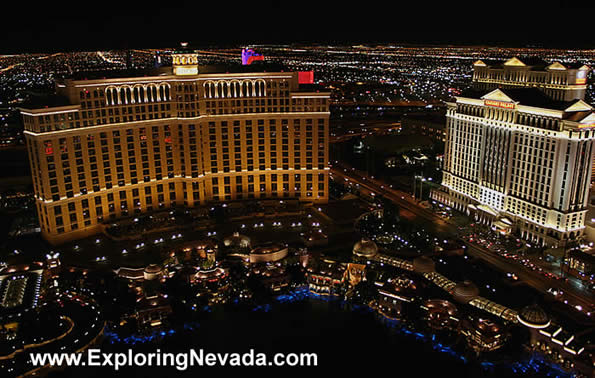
(249, 56)
(581, 77)
(499, 104)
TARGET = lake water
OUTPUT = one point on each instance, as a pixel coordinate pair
(347, 341)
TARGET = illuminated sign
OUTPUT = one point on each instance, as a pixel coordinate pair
(581, 77)
(186, 70)
(499, 104)
(49, 150)
(588, 122)
(306, 77)
(249, 56)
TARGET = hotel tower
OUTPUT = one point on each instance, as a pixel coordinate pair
(519, 149)
(185, 136)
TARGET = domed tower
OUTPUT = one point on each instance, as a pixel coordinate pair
(268, 252)
(533, 316)
(152, 272)
(185, 61)
(365, 248)
(236, 240)
(465, 291)
(423, 264)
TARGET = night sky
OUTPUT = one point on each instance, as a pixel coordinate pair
(93, 25)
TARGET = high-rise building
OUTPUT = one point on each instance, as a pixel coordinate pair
(559, 81)
(113, 147)
(519, 150)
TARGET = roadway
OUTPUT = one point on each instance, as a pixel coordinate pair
(8, 68)
(531, 278)
(411, 210)
(371, 128)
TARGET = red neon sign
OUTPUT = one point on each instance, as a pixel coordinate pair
(306, 77)
(49, 150)
(499, 104)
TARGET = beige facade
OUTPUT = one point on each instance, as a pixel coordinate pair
(560, 81)
(521, 157)
(131, 145)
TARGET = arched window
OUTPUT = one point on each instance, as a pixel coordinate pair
(244, 87)
(162, 92)
(222, 89)
(236, 89)
(154, 94)
(108, 96)
(260, 88)
(127, 95)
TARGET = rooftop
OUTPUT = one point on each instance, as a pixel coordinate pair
(267, 248)
(525, 96)
(119, 73)
(465, 291)
(533, 316)
(534, 63)
(167, 70)
(365, 248)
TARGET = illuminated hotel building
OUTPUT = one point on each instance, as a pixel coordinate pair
(519, 150)
(121, 146)
(562, 82)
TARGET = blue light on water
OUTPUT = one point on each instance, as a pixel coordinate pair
(296, 295)
(113, 336)
(535, 364)
(265, 308)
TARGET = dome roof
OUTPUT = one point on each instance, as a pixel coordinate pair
(465, 291)
(214, 273)
(423, 264)
(237, 240)
(265, 249)
(153, 268)
(533, 316)
(365, 248)
(441, 305)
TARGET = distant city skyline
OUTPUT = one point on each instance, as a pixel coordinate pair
(55, 28)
